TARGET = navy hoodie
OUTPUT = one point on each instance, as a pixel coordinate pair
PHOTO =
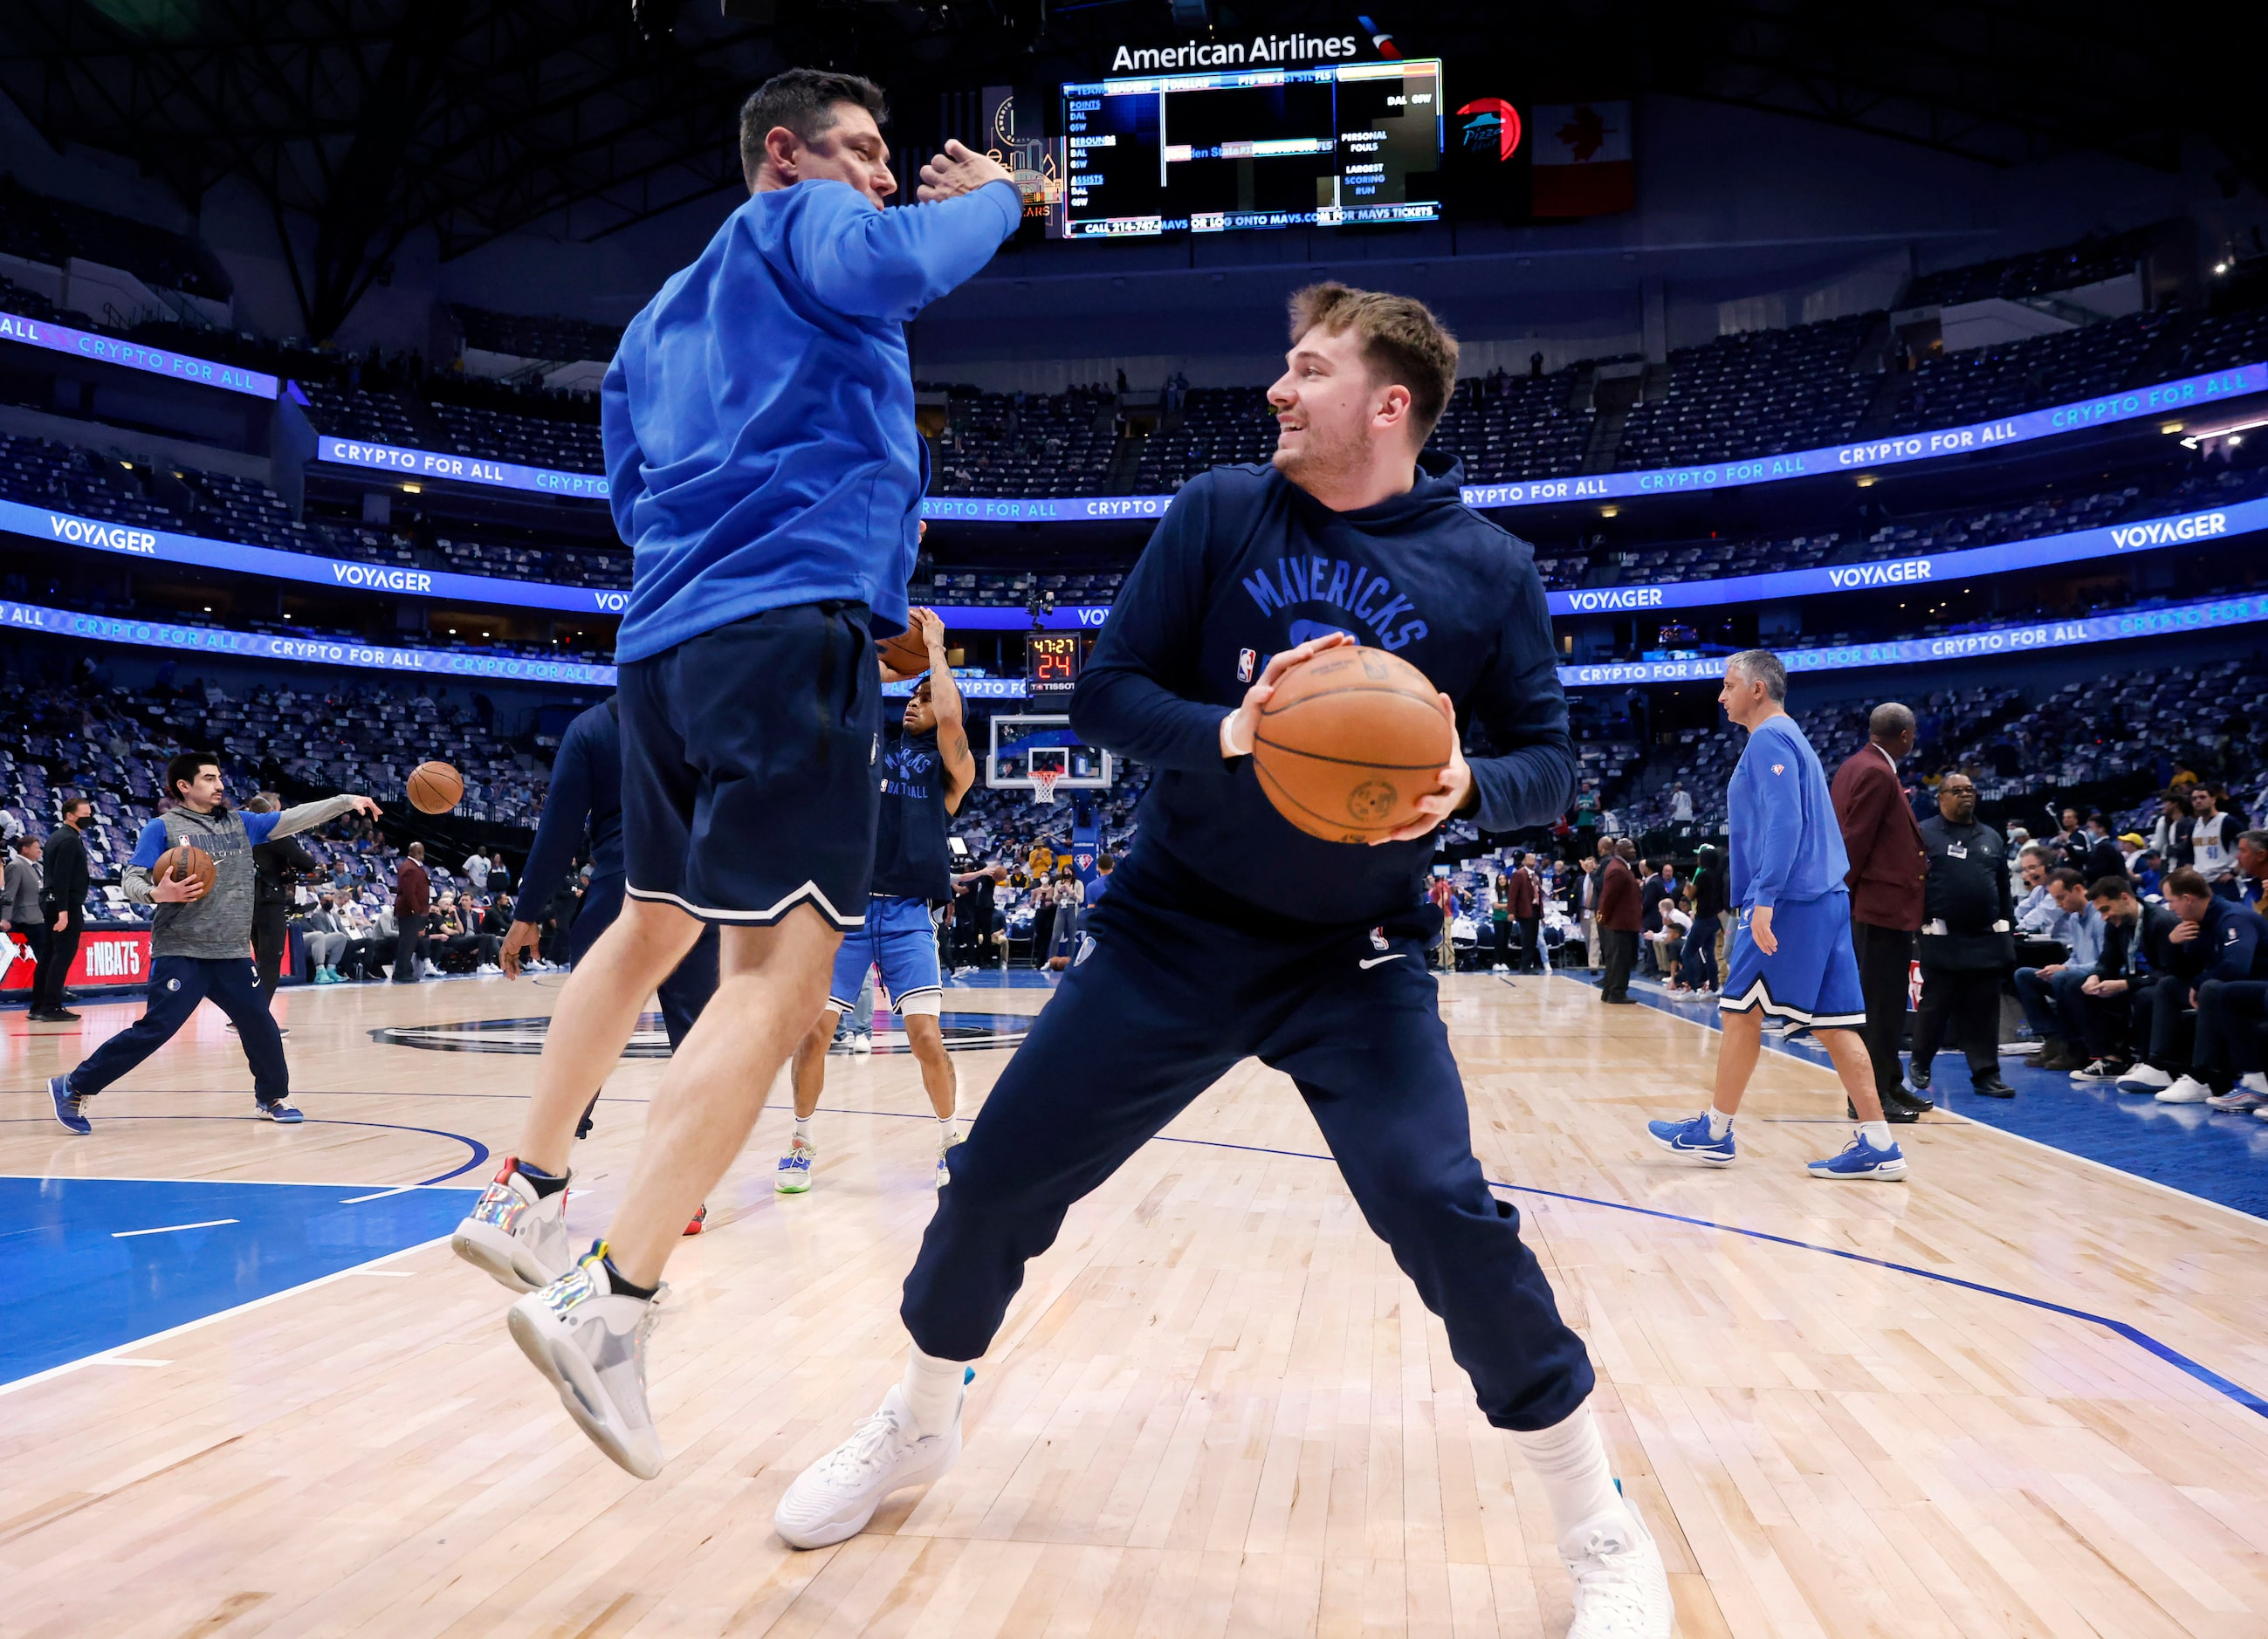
(1245, 565)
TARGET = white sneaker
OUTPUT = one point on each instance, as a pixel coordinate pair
(1621, 1589)
(2188, 1089)
(793, 1177)
(518, 1237)
(2145, 1078)
(836, 1495)
(943, 1149)
(590, 1343)
(862, 1041)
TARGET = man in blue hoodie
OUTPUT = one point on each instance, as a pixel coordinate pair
(763, 461)
(1791, 954)
(1227, 934)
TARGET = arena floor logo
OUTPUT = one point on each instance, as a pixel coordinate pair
(964, 1032)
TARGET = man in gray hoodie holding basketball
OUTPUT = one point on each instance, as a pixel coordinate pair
(201, 940)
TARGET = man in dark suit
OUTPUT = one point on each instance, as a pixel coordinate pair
(1887, 866)
(413, 899)
(1524, 905)
(62, 900)
(1968, 943)
(1619, 914)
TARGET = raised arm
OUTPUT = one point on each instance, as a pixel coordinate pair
(952, 714)
(890, 264)
(303, 816)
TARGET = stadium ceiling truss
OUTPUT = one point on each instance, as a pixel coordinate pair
(359, 122)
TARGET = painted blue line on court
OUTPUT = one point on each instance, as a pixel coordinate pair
(71, 1287)
(480, 1150)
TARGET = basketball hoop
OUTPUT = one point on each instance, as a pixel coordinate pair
(1044, 784)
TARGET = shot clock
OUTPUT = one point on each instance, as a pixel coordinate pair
(1051, 662)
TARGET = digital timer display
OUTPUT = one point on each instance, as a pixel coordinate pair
(1051, 662)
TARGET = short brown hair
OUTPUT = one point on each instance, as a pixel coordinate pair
(804, 100)
(2188, 883)
(1401, 342)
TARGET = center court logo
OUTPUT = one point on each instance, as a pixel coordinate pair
(964, 1032)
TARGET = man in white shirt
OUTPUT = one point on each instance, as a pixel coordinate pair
(476, 870)
(1681, 804)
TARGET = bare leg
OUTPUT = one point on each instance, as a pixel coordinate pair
(772, 983)
(1848, 1050)
(591, 1024)
(1741, 1040)
(810, 1062)
(927, 1037)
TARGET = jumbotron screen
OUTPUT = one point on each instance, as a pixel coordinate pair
(1328, 146)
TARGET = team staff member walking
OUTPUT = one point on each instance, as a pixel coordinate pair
(1790, 949)
(1615, 886)
(1967, 938)
(201, 940)
(413, 898)
(763, 463)
(64, 880)
(1883, 841)
(1227, 934)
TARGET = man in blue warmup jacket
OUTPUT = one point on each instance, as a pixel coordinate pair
(1228, 934)
(763, 463)
(1791, 954)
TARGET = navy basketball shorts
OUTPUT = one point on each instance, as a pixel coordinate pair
(1812, 977)
(900, 937)
(748, 753)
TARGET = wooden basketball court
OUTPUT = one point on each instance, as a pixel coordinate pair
(2015, 1396)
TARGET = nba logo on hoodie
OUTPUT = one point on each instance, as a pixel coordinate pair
(1244, 660)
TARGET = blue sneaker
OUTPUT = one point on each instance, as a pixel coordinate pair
(1692, 1138)
(68, 1106)
(280, 1111)
(1862, 1160)
(794, 1174)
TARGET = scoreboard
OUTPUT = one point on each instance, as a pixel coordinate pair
(1336, 144)
(1051, 664)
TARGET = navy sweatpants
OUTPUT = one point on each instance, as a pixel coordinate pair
(1176, 989)
(177, 984)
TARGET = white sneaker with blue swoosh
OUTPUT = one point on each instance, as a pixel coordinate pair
(1693, 1138)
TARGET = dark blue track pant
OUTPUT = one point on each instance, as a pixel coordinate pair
(1177, 989)
(177, 984)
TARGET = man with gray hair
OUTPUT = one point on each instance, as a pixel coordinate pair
(1791, 951)
(1883, 842)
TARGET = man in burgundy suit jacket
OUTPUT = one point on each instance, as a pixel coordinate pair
(1886, 864)
(1524, 905)
(1619, 915)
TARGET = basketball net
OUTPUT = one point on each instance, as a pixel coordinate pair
(1044, 784)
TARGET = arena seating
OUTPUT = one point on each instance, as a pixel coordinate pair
(531, 440)
(1981, 383)
(2037, 273)
(1755, 393)
(552, 338)
(1058, 445)
(1506, 428)
(53, 231)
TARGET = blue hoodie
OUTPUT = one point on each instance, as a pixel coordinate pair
(1785, 841)
(759, 415)
(1245, 564)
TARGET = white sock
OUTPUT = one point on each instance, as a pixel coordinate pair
(803, 1129)
(1719, 1124)
(948, 1128)
(1571, 1460)
(933, 1391)
(1875, 1133)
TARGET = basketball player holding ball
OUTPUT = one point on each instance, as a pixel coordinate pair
(763, 463)
(201, 940)
(1230, 933)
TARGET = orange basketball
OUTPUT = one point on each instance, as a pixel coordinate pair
(1349, 742)
(906, 654)
(186, 860)
(434, 788)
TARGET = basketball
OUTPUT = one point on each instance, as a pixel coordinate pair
(434, 788)
(906, 654)
(1349, 742)
(186, 861)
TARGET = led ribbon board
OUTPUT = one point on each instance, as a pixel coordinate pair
(2168, 397)
(110, 349)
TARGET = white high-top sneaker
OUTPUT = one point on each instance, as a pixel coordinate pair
(1621, 1589)
(590, 1340)
(518, 1237)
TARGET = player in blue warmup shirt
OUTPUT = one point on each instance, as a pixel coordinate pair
(926, 773)
(763, 463)
(1790, 954)
(1227, 934)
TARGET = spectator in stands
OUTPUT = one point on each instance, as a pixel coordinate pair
(1681, 804)
(2169, 837)
(19, 899)
(1660, 888)
(324, 935)
(413, 900)
(2216, 938)
(2050, 995)
(1883, 843)
(2213, 841)
(2149, 872)
(370, 942)
(1523, 906)
(2101, 856)
(2035, 907)
(1587, 911)
(476, 870)
(499, 877)
(1618, 916)
(1104, 864)
(1444, 900)
(1967, 938)
(65, 881)
(2136, 948)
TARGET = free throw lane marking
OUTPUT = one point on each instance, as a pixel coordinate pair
(167, 1229)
